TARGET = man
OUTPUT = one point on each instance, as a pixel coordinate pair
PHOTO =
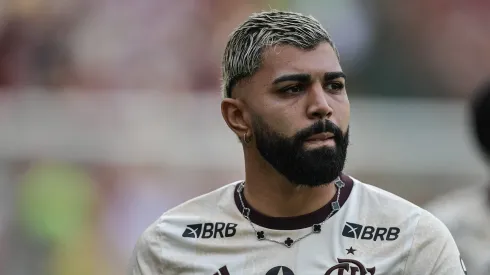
(466, 212)
(295, 212)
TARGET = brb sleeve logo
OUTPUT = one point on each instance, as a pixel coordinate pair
(357, 231)
(210, 230)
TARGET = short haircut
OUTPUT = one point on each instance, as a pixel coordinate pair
(480, 118)
(242, 57)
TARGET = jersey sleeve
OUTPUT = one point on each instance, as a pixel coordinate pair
(433, 251)
(147, 258)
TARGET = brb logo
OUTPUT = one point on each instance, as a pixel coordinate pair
(210, 230)
(352, 266)
(357, 231)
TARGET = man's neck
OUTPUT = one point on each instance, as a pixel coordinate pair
(273, 195)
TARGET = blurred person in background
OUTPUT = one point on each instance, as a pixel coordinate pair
(466, 212)
(33, 43)
(451, 39)
(296, 212)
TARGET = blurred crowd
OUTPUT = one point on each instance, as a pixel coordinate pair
(433, 48)
(171, 45)
(60, 215)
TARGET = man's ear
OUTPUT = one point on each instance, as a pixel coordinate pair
(235, 116)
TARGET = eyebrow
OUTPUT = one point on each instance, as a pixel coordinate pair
(334, 75)
(293, 77)
(307, 77)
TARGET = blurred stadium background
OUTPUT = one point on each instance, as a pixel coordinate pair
(109, 113)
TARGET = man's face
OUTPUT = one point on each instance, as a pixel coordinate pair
(300, 112)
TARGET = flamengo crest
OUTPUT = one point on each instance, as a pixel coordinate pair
(351, 267)
(344, 267)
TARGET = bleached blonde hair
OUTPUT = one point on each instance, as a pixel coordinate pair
(242, 57)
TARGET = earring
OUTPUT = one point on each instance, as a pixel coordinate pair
(246, 139)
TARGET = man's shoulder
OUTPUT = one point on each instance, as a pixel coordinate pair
(166, 243)
(422, 226)
(383, 198)
(385, 206)
(213, 206)
(425, 225)
(204, 203)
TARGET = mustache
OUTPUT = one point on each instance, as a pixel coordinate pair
(321, 126)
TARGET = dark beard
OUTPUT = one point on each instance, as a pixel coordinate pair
(301, 166)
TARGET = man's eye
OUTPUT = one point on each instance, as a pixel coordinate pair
(296, 89)
(334, 86)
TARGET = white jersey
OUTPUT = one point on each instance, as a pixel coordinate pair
(374, 232)
(467, 215)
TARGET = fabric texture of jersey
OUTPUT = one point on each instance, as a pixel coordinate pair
(374, 232)
(466, 213)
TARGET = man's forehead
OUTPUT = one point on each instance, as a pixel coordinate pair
(281, 60)
(285, 59)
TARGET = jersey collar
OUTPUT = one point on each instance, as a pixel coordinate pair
(297, 222)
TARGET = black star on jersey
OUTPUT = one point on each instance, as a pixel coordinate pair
(351, 250)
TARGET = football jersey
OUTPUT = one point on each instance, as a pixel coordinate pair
(373, 232)
(466, 213)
